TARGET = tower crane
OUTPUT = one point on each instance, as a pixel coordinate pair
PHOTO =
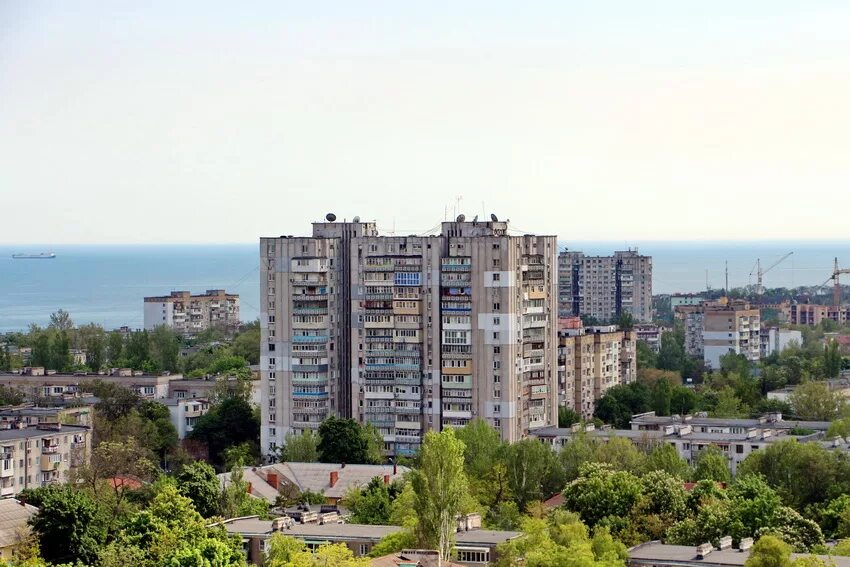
(836, 285)
(760, 273)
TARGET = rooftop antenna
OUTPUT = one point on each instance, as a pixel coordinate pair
(707, 287)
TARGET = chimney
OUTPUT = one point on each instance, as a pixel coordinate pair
(703, 550)
(334, 478)
(343, 465)
(271, 478)
(386, 479)
(395, 468)
(725, 543)
(745, 544)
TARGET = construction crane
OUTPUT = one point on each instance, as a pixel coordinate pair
(760, 273)
(836, 285)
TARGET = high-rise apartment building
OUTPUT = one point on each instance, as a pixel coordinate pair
(590, 361)
(605, 287)
(409, 333)
(189, 314)
(717, 328)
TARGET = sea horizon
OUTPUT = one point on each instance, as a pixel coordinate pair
(106, 283)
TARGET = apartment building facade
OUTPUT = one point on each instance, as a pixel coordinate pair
(408, 333)
(811, 314)
(605, 287)
(189, 314)
(718, 328)
(32, 457)
(590, 361)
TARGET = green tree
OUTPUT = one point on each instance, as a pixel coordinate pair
(533, 471)
(483, 444)
(671, 355)
(114, 348)
(247, 343)
(441, 487)
(567, 416)
(198, 482)
(711, 464)
(164, 438)
(601, 492)
(729, 404)
(579, 450)
(646, 357)
(662, 394)
(137, 350)
(227, 424)
(61, 321)
(393, 543)
(164, 348)
(68, 525)
(831, 359)
(665, 457)
(769, 551)
(789, 467)
(300, 448)
(342, 441)
(286, 551)
(371, 505)
(815, 401)
(41, 355)
(170, 532)
(60, 352)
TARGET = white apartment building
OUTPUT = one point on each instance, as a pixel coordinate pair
(184, 413)
(408, 333)
(189, 314)
(605, 287)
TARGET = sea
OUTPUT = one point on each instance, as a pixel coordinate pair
(106, 284)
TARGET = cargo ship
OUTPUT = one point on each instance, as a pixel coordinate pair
(38, 256)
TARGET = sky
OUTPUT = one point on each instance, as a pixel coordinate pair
(204, 121)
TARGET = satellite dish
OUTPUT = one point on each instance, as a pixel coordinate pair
(330, 217)
(356, 219)
(494, 218)
(461, 218)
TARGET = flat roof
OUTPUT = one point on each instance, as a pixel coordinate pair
(657, 553)
(658, 435)
(33, 432)
(253, 526)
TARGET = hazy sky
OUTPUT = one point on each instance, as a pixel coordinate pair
(223, 121)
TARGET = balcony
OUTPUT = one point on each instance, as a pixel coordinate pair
(309, 367)
(312, 339)
(7, 491)
(50, 463)
(7, 469)
(50, 449)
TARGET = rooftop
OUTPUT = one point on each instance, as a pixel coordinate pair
(35, 432)
(14, 516)
(315, 477)
(659, 554)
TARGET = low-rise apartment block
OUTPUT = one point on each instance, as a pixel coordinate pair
(715, 329)
(474, 547)
(690, 435)
(605, 287)
(40, 385)
(189, 314)
(184, 413)
(685, 299)
(590, 361)
(31, 457)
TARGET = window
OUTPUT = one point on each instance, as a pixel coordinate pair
(496, 320)
(497, 350)
(364, 549)
(496, 336)
(497, 364)
(496, 277)
(497, 306)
